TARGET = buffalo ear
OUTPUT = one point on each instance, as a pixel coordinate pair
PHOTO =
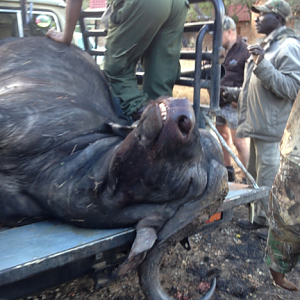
(144, 240)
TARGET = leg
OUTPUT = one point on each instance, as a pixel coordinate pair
(282, 254)
(251, 168)
(16, 207)
(161, 59)
(242, 147)
(267, 164)
(133, 25)
(225, 133)
(223, 125)
(227, 125)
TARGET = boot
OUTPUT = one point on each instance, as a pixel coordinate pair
(281, 281)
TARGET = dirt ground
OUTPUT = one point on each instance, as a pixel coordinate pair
(232, 255)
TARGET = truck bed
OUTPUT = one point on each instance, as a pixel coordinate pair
(35, 256)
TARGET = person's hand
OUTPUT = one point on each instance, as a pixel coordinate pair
(258, 53)
(230, 94)
(223, 92)
(57, 36)
(234, 104)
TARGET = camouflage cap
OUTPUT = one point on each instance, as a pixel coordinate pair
(228, 23)
(278, 7)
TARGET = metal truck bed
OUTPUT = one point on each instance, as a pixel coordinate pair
(36, 256)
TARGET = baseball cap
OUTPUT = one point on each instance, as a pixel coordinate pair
(278, 7)
(228, 23)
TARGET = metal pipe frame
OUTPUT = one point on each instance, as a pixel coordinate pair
(214, 83)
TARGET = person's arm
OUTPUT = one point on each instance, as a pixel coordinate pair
(282, 78)
(73, 9)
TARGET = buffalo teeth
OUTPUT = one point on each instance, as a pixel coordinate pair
(163, 111)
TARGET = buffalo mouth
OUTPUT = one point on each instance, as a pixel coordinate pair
(167, 125)
(163, 111)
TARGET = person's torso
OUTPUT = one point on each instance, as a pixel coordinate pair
(234, 66)
(265, 113)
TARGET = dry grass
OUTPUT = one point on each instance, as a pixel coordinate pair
(188, 92)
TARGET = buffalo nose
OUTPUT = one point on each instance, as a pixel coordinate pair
(182, 113)
(185, 124)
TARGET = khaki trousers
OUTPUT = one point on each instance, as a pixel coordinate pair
(264, 161)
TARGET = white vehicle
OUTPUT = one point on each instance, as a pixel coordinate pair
(36, 18)
(41, 15)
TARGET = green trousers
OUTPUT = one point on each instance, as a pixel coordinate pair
(150, 30)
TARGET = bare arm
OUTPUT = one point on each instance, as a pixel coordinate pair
(73, 9)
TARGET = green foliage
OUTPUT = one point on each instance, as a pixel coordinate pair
(192, 15)
(295, 4)
(85, 4)
(207, 8)
(200, 11)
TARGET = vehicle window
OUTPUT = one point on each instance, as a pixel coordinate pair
(40, 23)
(9, 24)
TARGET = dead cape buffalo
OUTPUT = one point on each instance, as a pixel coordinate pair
(65, 154)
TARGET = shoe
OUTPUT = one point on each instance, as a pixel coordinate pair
(247, 225)
(262, 233)
(231, 175)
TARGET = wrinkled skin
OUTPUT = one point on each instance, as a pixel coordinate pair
(65, 154)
